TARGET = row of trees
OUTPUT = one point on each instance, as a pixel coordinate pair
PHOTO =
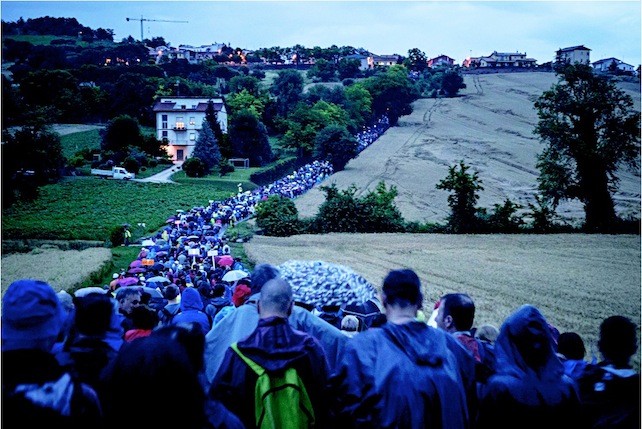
(590, 131)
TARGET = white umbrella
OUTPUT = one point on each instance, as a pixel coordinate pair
(158, 279)
(234, 276)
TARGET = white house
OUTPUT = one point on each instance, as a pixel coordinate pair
(604, 65)
(179, 120)
(363, 60)
(383, 60)
(501, 59)
(574, 54)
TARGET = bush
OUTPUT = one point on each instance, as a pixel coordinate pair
(277, 216)
(194, 167)
(132, 165)
(116, 236)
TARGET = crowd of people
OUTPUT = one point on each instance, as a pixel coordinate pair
(176, 340)
(96, 360)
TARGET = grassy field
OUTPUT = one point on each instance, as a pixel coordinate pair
(576, 280)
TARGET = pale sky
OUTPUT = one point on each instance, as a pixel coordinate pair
(455, 28)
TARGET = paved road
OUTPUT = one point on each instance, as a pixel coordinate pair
(162, 177)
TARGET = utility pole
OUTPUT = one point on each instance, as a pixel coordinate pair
(141, 19)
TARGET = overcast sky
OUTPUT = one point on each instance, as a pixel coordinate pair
(455, 28)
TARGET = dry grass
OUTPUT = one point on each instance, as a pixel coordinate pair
(576, 280)
(62, 269)
(490, 126)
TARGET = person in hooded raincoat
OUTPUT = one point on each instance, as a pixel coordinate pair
(275, 346)
(192, 310)
(243, 320)
(529, 389)
(404, 374)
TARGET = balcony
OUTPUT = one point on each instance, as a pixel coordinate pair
(179, 128)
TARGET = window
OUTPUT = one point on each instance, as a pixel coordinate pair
(192, 120)
(180, 125)
(164, 121)
(192, 136)
(179, 155)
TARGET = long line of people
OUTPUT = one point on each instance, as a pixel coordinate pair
(176, 334)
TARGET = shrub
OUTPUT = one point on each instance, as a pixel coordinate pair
(194, 167)
(277, 216)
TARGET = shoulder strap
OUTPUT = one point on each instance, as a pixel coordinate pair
(255, 366)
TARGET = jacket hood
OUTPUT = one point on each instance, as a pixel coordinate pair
(524, 348)
(428, 344)
(275, 345)
(191, 300)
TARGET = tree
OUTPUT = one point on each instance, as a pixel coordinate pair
(224, 144)
(323, 70)
(287, 87)
(451, 82)
(392, 92)
(335, 144)
(121, 132)
(32, 158)
(247, 83)
(206, 148)
(249, 138)
(348, 68)
(417, 60)
(305, 122)
(277, 216)
(590, 129)
(463, 196)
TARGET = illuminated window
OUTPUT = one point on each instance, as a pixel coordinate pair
(192, 121)
(180, 125)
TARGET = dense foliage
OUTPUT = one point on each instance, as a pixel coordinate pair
(463, 188)
(590, 130)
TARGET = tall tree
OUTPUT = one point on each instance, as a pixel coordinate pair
(463, 188)
(206, 147)
(287, 87)
(392, 92)
(417, 60)
(337, 145)
(249, 138)
(211, 116)
(590, 129)
(121, 132)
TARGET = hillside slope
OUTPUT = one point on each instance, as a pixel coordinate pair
(490, 126)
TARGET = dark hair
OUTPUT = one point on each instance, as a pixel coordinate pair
(144, 317)
(618, 339)
(261, 274)
(171, 291)
(218, 290)
(143, 369)
(461, 308)
(403, 287)
(125, 291)
(93, 313)
(570, 344)
(190, 336)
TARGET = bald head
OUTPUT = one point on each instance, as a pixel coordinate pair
(276, 299)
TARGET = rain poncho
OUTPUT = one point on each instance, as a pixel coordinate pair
(529, 388)
(241, 322)
(404, 376)
(192, 310)
(274, 345)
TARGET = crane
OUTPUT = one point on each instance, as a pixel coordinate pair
(141, 19)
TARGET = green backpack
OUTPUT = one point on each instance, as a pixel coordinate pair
(280, 400)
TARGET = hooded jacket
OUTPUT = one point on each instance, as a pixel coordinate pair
(243, 320)
(404, 376)
(529, 388)
(275, 346)
(192, 310)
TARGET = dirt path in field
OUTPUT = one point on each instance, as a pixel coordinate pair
(490, 127)
(64, 129)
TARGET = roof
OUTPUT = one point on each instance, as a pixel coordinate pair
(355, 57)
(607, 60)
(170, 106)
(574, 48)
